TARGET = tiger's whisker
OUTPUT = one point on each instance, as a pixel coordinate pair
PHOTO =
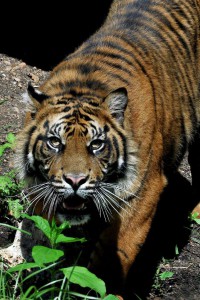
(114, 204)
(114, 186)
(36, 187)
(104, 207)
(37, 199)
(97, 203)
(121, 199)
(47, 199)
(52, 204)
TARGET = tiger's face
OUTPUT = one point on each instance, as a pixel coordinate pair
(75, 157)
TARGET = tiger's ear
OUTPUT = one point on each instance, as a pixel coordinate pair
(117, 102)
(32, 100)
(35, 94)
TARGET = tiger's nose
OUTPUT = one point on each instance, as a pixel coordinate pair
(75, 180)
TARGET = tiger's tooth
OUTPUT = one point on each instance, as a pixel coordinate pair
(80, 207)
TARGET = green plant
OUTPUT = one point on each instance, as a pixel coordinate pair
(2, 101)
(45, 258)
(10, 187)
(195, 221)
(10, 138)
(161, 276)
(194, 217)
(166, 275)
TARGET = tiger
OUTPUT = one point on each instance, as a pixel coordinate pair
(110, 123)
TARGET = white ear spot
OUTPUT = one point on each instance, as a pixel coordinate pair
(25, 98)
(29, 105)
(117, 102)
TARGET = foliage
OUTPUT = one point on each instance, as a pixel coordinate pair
(45, 258)
(194, 217)
(166, 275)
(52, 231)
(10, 187)
(10, 138)
(161, 276)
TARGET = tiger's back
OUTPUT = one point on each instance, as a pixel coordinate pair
(161, 42)
(112, 120)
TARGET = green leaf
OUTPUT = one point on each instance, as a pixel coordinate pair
(56, 231)
(15, 208)
(11, 138)
(15, 228)
(31, 290)
(111, 297)
(83, 277)
(64, 225)
(21, 267)
(197, 221)
(64, 239)
(44, 255)
(2, 101)
(176, 250)
(4, 147)
(6, 184)
(195, 217)
(40, 223)
(165, 275)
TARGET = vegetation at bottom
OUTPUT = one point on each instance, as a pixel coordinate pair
(47, 259)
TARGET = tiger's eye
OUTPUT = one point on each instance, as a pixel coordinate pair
(97, 145)
(54, 141)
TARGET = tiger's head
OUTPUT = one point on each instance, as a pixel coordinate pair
(73, 153)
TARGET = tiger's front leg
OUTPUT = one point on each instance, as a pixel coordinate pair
(120, 243)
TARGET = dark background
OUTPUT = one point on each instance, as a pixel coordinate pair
(42, 33)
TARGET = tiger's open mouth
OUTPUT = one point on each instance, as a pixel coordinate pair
(75, 209)
(73, 205)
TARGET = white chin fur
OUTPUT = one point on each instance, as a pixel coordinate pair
(74, 222)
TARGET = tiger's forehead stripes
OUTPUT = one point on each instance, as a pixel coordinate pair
(78, 118)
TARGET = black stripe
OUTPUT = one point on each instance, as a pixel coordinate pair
(40, 137)
(92, 48)
(123, 140)
(70, 133)
(66, 109)
(115, 56)
(67, 116)
(180, 74)
(46, 125)
(87, 68)
(26, 147)
(95, 129)
(91, 84)
(116, 145)
(85, 117)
